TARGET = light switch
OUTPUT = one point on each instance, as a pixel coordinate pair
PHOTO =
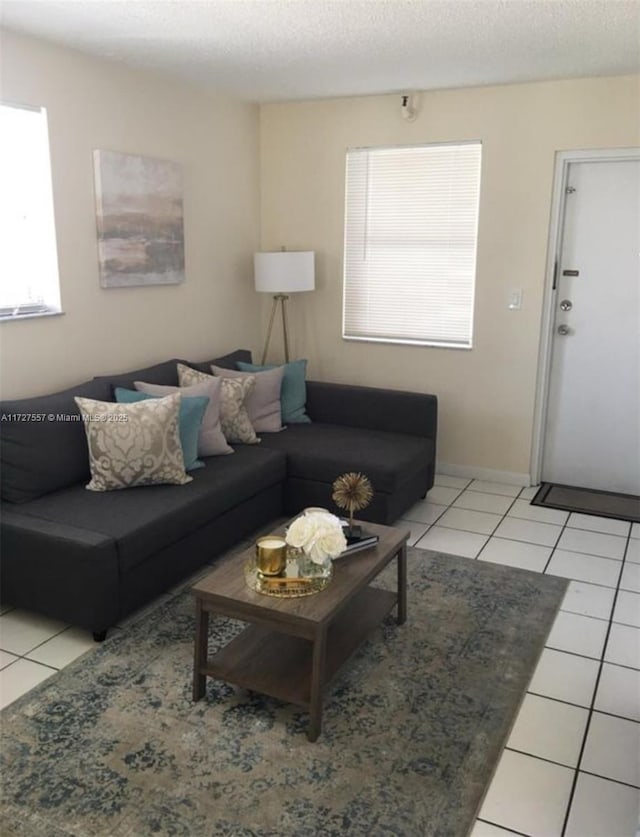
(515, 299)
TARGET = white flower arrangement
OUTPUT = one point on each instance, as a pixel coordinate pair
(319, 534)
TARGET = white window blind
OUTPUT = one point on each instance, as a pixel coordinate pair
(28, 256)
(411, 222)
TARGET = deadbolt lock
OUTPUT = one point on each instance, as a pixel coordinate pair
(566, 305)
(564, 330)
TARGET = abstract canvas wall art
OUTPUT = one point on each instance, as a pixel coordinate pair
(139, 219)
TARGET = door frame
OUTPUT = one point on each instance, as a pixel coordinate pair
(556, 227)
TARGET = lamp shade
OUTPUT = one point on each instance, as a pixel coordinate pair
(284, 272)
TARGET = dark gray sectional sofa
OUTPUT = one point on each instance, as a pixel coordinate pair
(91, 558)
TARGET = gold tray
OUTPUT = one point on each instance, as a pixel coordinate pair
(289, 585)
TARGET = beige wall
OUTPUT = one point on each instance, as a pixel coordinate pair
(97, 104)
(486, 394)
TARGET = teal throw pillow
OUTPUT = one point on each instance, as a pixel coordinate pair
(190, 417)
(294, 389)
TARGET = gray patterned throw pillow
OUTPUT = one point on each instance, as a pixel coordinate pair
(133, 444)
(234, 418)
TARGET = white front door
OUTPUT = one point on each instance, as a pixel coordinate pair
(592, 430)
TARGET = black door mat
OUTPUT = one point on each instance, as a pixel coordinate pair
(587, 501)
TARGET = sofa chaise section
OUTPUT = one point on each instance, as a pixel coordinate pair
(388, 435)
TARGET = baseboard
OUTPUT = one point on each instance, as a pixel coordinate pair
(486, 474)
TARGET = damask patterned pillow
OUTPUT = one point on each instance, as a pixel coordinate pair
(133, 444)
(234, 418)
(263, 404)
(211, 441)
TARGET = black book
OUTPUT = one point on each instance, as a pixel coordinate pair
(363, 540)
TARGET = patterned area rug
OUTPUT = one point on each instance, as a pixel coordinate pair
(412, 729)
(587, 501)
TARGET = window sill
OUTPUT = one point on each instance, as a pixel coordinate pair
(15, 317)
(397, 341)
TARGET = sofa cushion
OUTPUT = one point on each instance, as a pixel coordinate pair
(294, 388)
(133, 444)
(263, 404)
(43, 446)
(322, 452)
(160, 373)
(146, 520)
(234, 419)
(229, 361)
(211, 441)
(190, 417)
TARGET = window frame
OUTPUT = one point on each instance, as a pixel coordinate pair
(412, 341)
(51, 304)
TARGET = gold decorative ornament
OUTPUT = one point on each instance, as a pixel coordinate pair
(352, 492)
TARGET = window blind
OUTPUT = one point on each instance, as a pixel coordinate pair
(28, 255)
(411, 221)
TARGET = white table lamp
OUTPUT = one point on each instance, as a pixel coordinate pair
(282, 273)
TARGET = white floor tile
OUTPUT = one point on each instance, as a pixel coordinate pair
(627, 609)
(495, 488)
(578, 635)
(425, 512)
(63, 648)
(623, 646)
(601, 807)
(6, 659)
(593, 543)
(593, 523)
(529, 493)
(19, 677)
(633, 550)
(471, 521)
(452, 541)
(612, 749)
(451, 482)
(442, 495)
(526, 556)
(21, 630)
(630, 579)
(524, 510)
(544, 534)
(635, 530)
(619, 692)
(589, 600)
(482, 501)
(549, 729)
(565, 677)
(583, 567)
(417, 530)
(485, 829)
(528, 795)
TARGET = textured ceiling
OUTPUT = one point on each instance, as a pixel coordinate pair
(271, 50)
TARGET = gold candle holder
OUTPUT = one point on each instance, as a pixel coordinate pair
(271, 555)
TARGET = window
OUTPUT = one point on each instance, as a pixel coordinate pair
(28, 258)
(411, 223)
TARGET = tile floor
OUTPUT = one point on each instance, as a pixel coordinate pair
(572, 763)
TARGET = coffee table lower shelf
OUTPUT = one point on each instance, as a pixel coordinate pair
(280, 665)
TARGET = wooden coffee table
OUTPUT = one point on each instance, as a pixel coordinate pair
(292, 648)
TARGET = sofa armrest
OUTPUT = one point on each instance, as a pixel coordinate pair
(395, 411)
(56, 535)
(59, 570)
